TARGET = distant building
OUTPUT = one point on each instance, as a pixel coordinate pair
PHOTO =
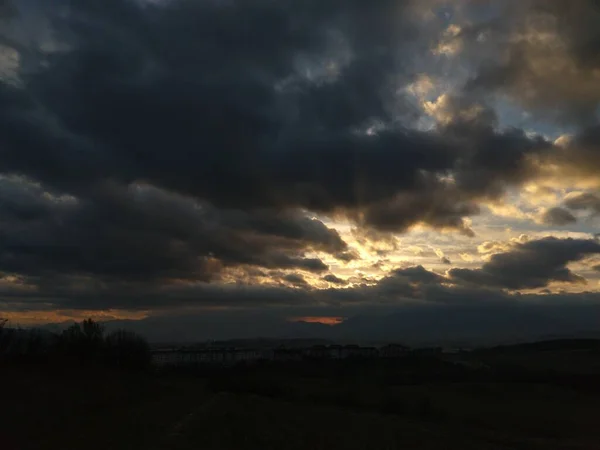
(393, 351)
(171, 356)
(221, 356)
(288, 354)
(428, 351)
(355, 351)
(336, 351)
(318, 352)
(451, 350)
(166, 357)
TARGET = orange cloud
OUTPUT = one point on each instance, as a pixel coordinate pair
(32, 318)
(319, 319)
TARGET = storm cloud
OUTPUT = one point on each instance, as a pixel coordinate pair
(258, 153)
(534, 264)
(250, 105)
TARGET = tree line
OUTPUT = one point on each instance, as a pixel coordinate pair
(81, 343)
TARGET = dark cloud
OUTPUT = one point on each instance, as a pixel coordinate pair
(80, 292)
(151, 150)
(492, 160)
(295, 279)
(251, 105)
(142, 232)
(546, 57)
(576, 159)
(558, 216)
(7, 10)
(400, 287)
(410, 304)
(533, 264)
(310, 264)
(417, 274)
(334, 280)
(509, 318)
(439, 206)
(586, 201)
(347, 256)
(505, 319)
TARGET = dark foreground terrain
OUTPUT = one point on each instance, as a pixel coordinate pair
(511, 398)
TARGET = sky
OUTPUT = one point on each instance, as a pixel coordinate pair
(234, 168)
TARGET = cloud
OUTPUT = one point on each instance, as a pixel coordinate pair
(295, 279)
(416, 274)
(584, 201)
(164, 155)
(411, 303)
(536, 194)
(533, 264)
(377, 242)
(334, 280)
(450, 44)
(508, 318)
(557, 216)
(547, 57)
(451, 109)
(574, 162)
(466, 257)
(445, 260)
(7, 10)
(492, 247)
(438, 206)
(239, 113)
(575, 201)
(145, 233)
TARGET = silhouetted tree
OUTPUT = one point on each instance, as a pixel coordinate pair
(5, 337)
(93, 331)
(81, 342)
(127, 349)
(84, 341)
(21, 344)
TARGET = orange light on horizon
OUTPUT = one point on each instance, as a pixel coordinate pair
(331, 321)
(33, 318)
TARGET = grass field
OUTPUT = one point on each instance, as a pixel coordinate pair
(93, 409)
(250, 422)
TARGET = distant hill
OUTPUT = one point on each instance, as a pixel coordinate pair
(549, 345)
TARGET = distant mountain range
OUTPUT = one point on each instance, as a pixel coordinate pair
(456, 327)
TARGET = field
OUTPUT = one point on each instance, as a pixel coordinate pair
(362, 406)
(90, 408)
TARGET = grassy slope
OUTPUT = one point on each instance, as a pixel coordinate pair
(103, 409)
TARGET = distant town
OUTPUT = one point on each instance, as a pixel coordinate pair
(230, 355)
